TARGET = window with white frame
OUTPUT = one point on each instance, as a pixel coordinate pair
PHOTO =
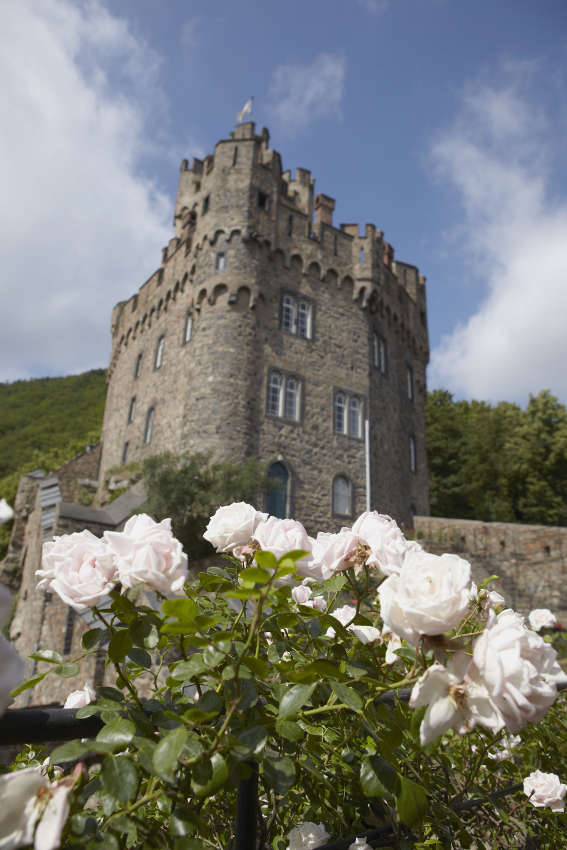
(131, 409)
(220, 261)
(159, 352)
(347, 414)
(283, 396)
(412, 455)
(342, 496)
(409, 379)
(149, 428)
(297, 315)
(188, 329)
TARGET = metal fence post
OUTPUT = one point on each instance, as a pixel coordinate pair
(247, 811)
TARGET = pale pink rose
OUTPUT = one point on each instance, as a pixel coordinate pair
(545, 790)
(232, 527)
(345, 615)
(28, 798)
(79, 567)
(147, 553)
(280, 536)
(394, 642)
(542, 618)
(12, 672)
(307, 836)
(388, 546)
(518, 668)
(332, 553)
(431, 595)
(77, 699)
(303, 595)
(505, 753)
(453, 701)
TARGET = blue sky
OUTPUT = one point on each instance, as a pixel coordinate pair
(441, 121)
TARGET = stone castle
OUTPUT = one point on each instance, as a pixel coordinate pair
(268, 332)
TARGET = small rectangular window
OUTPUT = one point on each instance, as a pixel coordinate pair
(159, 352)
(149, 429)
(138, 366)
(205, 205)
(409, 373)
(263, 201)
(284, 396)
(188, 330)
(412, 455)
(131, 409)
(125, 452)
(361, 256)
(235, 156)
(290, 225)
(383, 355)
(220, 262)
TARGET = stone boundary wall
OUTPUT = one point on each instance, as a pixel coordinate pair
(530, 560)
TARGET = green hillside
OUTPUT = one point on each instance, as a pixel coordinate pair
(46, 421)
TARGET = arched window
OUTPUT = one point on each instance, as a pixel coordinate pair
(188, 330)
(340, 402)
(342, 496)
(354, 417)
(291, 404)
(277, 498)
(148, 430)
(288, 314)
(159, 352)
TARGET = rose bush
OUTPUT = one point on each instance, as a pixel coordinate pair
(294, 668)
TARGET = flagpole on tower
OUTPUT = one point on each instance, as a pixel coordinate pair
(246, 110)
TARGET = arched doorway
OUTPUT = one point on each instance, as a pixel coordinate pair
(278, 488)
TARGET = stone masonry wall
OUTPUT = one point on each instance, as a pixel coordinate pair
(530, 560)
(210, 392)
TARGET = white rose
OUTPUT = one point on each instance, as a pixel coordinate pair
(79, 567)
(303, 595)
(6, 512)
(28, 797)
(542, 618)
(306, 836)
(147, 553)
(519, 669)
(505, 753)
(394, 643)
(77, 699)
(388, 546)
(12, 672)
(332, 553)
(233, 526)
(430, 595)
(284, 535)
(545, 789)
(453, 701)
(345, 615)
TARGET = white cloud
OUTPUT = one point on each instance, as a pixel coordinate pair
(302, 94)
(81, 228)
(498, 156)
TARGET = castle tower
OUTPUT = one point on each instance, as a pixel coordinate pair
(269, 332)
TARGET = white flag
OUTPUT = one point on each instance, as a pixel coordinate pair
(6, 512)
(246, 110)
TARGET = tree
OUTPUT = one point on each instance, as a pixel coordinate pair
(189, 489)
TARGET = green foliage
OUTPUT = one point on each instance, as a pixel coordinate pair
(498, 464)
(191, 487)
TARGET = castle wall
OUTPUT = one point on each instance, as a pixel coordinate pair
(244, 236)
(530, 560)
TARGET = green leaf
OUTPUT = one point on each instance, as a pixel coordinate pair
(256, 665)
(70, 751)
(294, 699)
(144, 632)
(185, 843)
(244, 593)
(293, 556)
(169, 749)
(412, 801)
(212, 657)
(182, 609)
(119, 646)
(279, 773)
(254, 739)
(334, 584)
(219, 775)
(377, 777)
(289, 730)
(87, 711)
(27, 684)
(254, 575)
(67, 670)
(140, 657)
(119, 778)
(186, 670)
(92, 637)
(48, 655)
(347, 695)
(118, 733)
(124, 609)
(267, 560)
